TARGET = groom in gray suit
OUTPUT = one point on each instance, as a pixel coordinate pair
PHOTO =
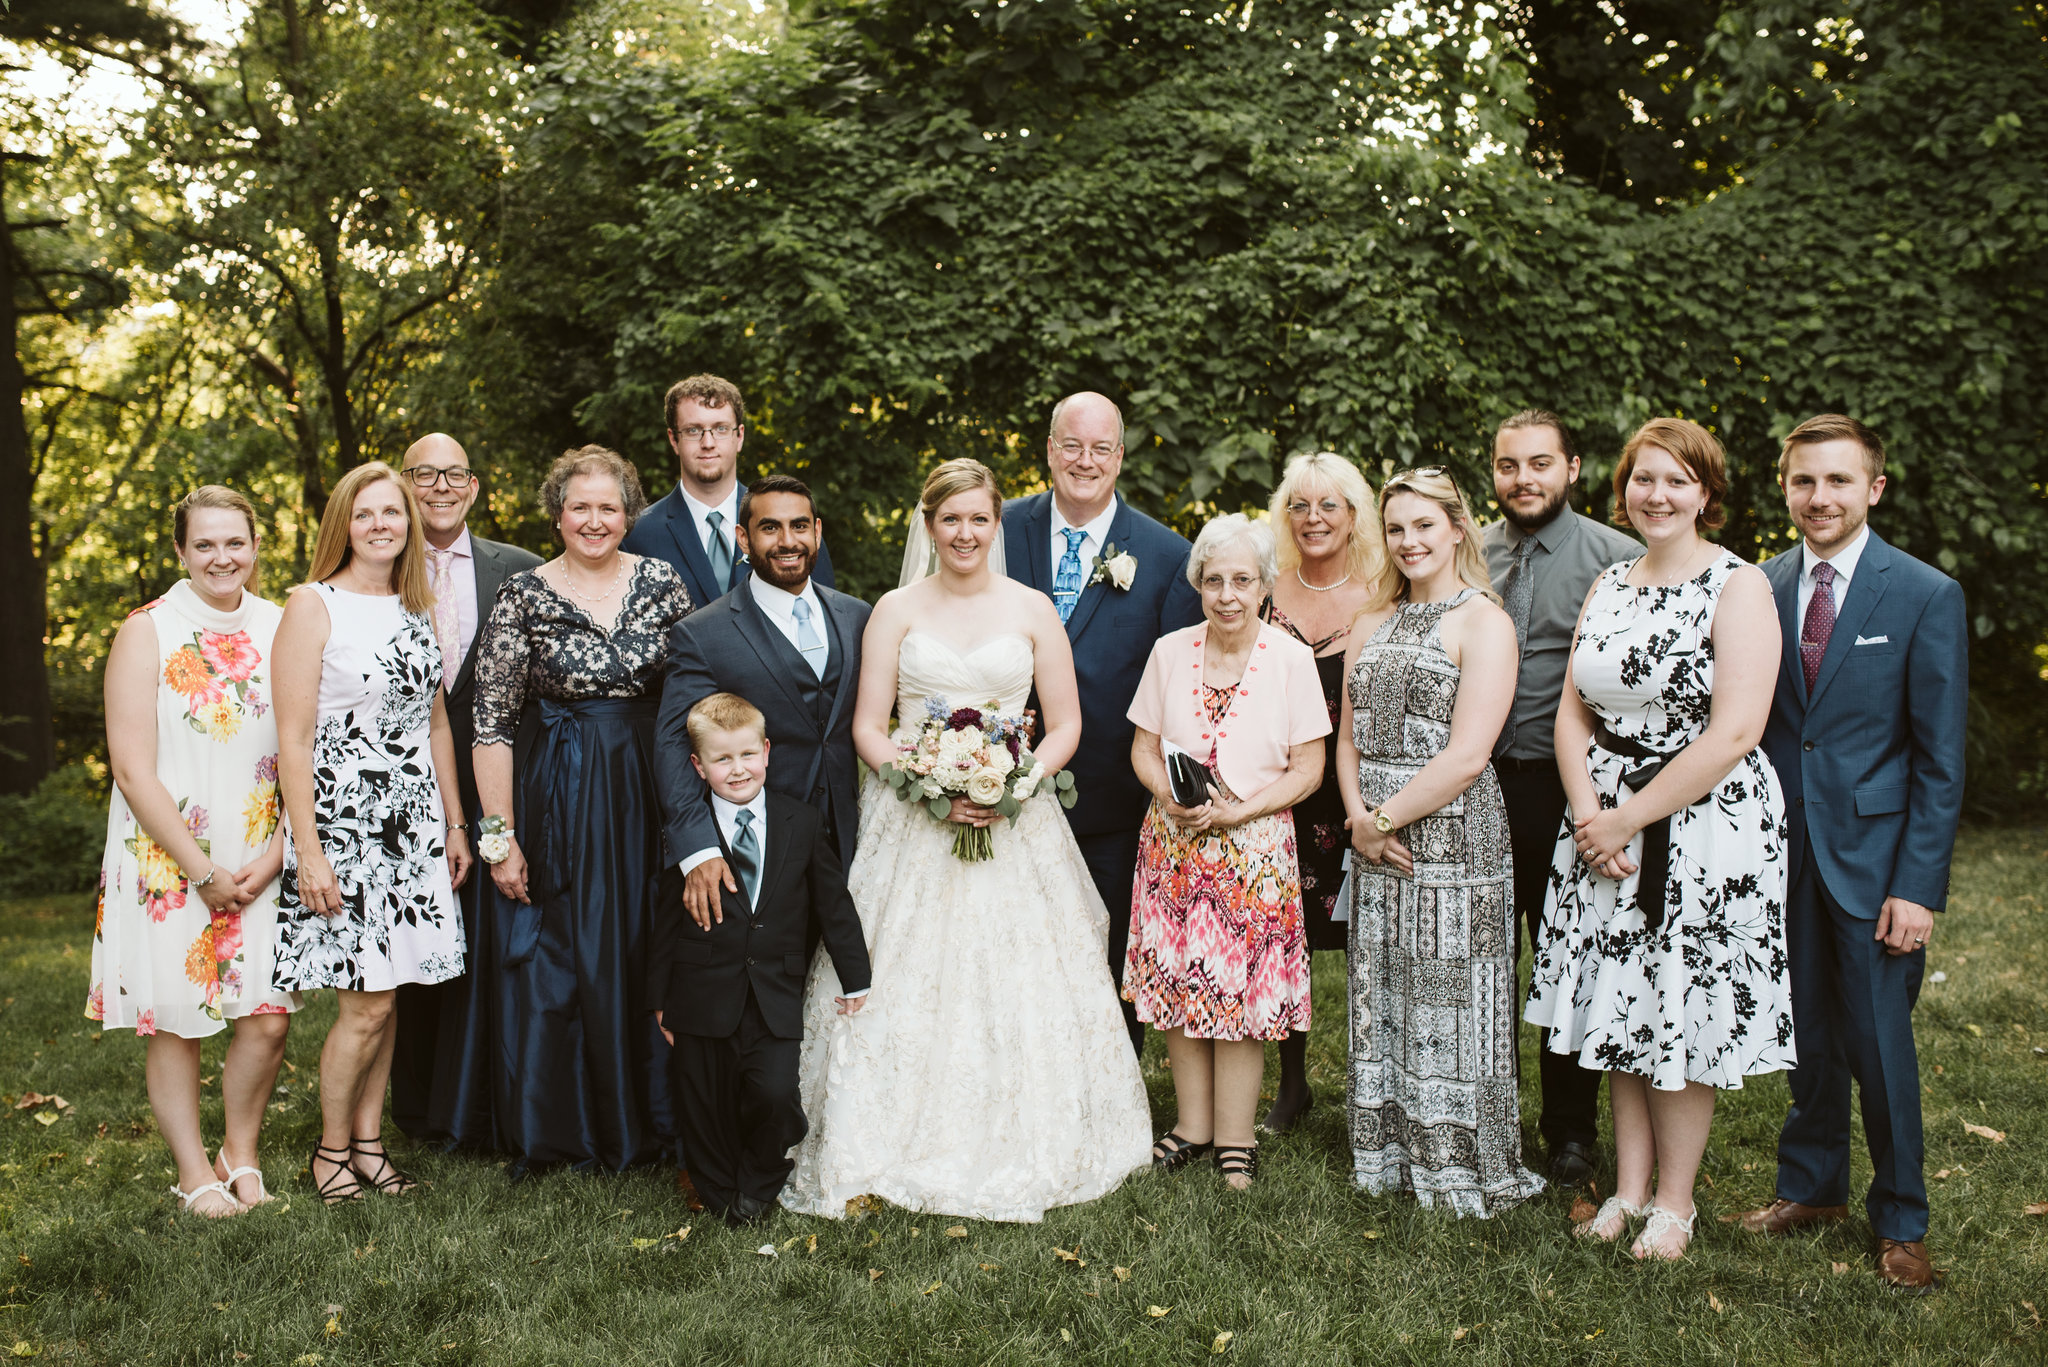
(790, 646)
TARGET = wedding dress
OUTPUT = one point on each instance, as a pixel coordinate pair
(989, 1075)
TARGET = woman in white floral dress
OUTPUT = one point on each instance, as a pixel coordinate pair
(1663, 954)
(375, 842)
(187, 915)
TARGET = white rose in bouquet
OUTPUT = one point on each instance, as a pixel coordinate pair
(1028, 785)
(999, 760)
(985, 786)
(932, 789)
(959, 747)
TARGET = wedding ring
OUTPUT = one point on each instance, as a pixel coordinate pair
(1918, 940)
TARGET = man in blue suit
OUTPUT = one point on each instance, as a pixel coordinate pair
(693, 525)
(1866, 733)
(1068, 545)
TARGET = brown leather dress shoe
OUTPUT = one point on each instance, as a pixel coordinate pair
(688, 1191)
(1782, 1217)
(1905, 1266)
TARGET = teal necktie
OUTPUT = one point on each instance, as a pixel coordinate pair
(746, 853)
(718, 552)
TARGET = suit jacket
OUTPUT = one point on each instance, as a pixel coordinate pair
(1872, 759)
(732, 647)
(699, 978)
(667, 532)
(495, 562)
(1112, 631)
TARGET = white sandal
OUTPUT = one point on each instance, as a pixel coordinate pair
(235, 1175)
(234, 1206)
(1609, 1208)
(1662, 1221)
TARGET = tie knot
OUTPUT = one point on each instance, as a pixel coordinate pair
(800, 610)
(743, 818)
(716, 520)
(1526, 549)
(1075, 536)
(1823, 573)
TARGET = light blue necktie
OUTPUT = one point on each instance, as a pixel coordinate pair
(807, 638)
(718, 552)
(1066, 584)
(746, 852)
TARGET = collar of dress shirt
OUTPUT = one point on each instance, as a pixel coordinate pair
(728, 813)
(1095, 534)
(460, 548)
(701, 511)
(1843, 560)
(1550, 536)
(782, 602)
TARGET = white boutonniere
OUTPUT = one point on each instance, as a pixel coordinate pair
(1118, 569)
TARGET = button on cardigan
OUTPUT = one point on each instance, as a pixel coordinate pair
(1279, 704)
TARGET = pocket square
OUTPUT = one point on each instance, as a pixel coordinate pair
(1872, 640)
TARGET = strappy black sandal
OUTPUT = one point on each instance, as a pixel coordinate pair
(1172, 1151)
(1238, 1162)
(387, 1177)
(327, 1191)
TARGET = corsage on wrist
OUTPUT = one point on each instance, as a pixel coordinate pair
(494, 839)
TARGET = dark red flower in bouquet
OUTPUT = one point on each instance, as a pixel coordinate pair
(966, 718)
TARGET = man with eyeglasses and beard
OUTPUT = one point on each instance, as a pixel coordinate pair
(1543, 558)
(440, 1082)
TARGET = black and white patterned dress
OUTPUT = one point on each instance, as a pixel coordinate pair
(377, 809)
(1705, 996)
(1434, 1104)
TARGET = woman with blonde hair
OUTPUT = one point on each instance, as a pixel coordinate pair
(375, 822)
(1431, 676)
(187, 917)
(1331, 558)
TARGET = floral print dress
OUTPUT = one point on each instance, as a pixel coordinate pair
(377, 808)
(1705, 995)
(160, 959)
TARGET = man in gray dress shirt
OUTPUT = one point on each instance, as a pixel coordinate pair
(1543, 559)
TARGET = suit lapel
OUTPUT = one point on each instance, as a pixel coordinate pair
(844, 643)
(1037, 557)
(778, 858)
(1784, 577)
(682, 530)
(488, 566)
(758, 633)
(1865, 589)
(1093, 594)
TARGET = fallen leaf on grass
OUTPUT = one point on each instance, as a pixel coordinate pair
(915, 1231)
(1158, 1312)
(1582, 1211)
(1981, 1131)
(792, 1242)
(681, 1234)
(24, 1349)
(306, 1360)
(874, 1274)
(874, 1238)
(30, 1100)
(1947, 1173)
(646, 1243)
(47, 1117)
(933, 1287)
(991, 1267)
(1122, 1274)
(1072, 1255)
(1714, 1301)
(1221, 1343)
(2032, 1311)
(333, 1329)
(241, 1356)
(366, 1250)
(2038, 1208)
(766, 1250)
(956, 1231)
(1151, 1228)
(1066, 1336)
(810, 1242)
(1594, 1335)
(1370, 1234)
(1459, 1333)
(1838, 1268)
(220, 1305)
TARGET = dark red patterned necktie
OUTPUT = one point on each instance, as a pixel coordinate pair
(1820, 622)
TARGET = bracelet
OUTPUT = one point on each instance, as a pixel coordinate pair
(212, 869)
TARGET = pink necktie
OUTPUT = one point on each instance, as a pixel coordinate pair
(1820, 622)
(447, 622)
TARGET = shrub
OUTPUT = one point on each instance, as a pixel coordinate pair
(51, 840)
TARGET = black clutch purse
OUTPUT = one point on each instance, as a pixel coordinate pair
(1190, 780)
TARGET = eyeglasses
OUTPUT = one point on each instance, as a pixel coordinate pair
(1101, 450)
(427, 476)
(1328, 507)
(720, 432)
(1216, 583)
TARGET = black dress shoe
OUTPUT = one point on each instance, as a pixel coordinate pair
(745, 1210)
(1571, 1164)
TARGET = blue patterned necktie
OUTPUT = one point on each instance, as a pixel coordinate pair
(1066, 584)
(746, 854)
(718, 552)
(807, 639)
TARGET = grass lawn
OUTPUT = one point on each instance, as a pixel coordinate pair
(569, 1268)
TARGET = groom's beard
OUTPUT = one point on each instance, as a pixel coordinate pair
(791, 580)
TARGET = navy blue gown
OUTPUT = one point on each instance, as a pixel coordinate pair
(578, 1068)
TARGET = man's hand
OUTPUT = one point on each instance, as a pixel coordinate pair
(850, 1006)
(664, 1029)
(1904, 926)
(700, 892)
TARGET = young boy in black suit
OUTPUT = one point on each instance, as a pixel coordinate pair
(729, 987)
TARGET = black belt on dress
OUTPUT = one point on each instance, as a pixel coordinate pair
(1656, 866)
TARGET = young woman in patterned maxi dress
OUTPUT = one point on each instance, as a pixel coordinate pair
(187, 916)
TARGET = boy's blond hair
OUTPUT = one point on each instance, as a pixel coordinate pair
(723, 712)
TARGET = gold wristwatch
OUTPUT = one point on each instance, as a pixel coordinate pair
(1381, 822)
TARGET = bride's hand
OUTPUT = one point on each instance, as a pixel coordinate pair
(972, 813)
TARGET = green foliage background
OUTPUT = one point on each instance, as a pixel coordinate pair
(906, 227)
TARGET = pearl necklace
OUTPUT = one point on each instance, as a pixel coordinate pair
(1320, 588)
(569, 581)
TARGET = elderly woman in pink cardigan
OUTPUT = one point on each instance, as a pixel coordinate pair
(1218, 956)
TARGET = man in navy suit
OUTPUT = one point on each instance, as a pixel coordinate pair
(1866, 733)
(694, 526)
(1058, 543)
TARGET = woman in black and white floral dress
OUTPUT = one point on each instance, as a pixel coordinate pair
(366, 767)
(1663, 955)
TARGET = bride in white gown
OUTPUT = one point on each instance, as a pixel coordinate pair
(990, 1075)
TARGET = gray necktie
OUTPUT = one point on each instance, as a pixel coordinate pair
(718, 552)
(1518, 596)
(746, 853)
(807, 639)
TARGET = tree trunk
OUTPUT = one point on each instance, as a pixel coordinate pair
(27, 743)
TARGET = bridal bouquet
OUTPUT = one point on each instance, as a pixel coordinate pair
(969, 752)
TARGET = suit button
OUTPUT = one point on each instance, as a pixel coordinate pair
(750, 961)
(1802, 802)
(1807, 746)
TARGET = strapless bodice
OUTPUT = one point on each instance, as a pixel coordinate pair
(998, 670)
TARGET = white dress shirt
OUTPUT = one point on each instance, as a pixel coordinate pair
(463, 568)
(729, 827)
(700, 514)
(1844, 562)
(779, 607)
(1094, 537)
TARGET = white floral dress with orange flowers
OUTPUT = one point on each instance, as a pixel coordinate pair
(160, 959)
